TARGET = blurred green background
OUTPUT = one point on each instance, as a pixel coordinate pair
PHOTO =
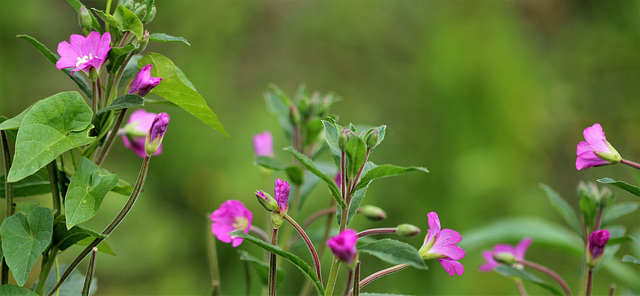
(491, 96)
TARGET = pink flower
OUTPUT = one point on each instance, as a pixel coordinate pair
(263, 144)
(597, 241)
(136, 130)
(231, 216)
(282, 189)
(595, 151)
(517, 252)
(84, 52)
(441, 245)
(338, 180)
(343, 245)
(156, 133)
(144, 83)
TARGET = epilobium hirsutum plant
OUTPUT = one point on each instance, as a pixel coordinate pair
(67, 137)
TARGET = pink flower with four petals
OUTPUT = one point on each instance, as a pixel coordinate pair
(83, 53)
(231, 216)
(440, 244)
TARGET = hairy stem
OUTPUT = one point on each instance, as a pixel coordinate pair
(312, 249)
(90, 270)
(273, 264)
(589, 282)
(549, 272)
(47, 263)
(102, 155)
(632, 164)
(8, 193)
(380, 274)
(376, 231)
(356, 280)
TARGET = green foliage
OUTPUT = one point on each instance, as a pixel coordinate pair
(278, 104)
(635, 190)
(124, 102)
(261, 268)
(88, 186)
(52, 126)
(176, 91)
(128, 21)
(123, 188)
(23, 240)
(394, 252)
(618, 210)
(35, 184)
(72, 286)
(306, 270)
(357, 199)
(386, 170)
(630, 259)
(65, 237)
(118, 55)
(509, 271)
(563, 208)
(14, 123)
(16, 291)
(95, 25)
(167, 38)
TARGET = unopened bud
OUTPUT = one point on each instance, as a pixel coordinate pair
(156, 133)
(84, 19)
(505, 258)
(277, 219)
(143, 42)
(373, 213)
(595, 247)
(141, 12)
(150, 16)
(294, 115)
(407, 230)
(267, 201)
(372, 139)
(128, 4)
(343, 139)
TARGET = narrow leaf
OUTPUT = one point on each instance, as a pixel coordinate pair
(386, 170)
(123, 188)
(394, 252)
(35, 184)
(124, 102)
(167, 38)
(107, 18)
(358, 196)
(635, 190)
(308, 163)
(630, 259)
(278, 104)
(563, 208)
(102, 247)
(14, 123)
(616, 211)
(356, 153)
(307, 271)
(509, 271)
(64, 237)
(176, 91)
(271, 163)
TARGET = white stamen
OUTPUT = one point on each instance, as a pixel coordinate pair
(82, 60)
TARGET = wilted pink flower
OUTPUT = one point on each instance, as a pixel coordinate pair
(156, 133)
(595, 150)
(136, 130)
(517, 252)
(84, 52)
(143, 83)
(441, 245)
(343, 245)
(263, 144)
(282, 189)
(232, 215)
(597, 241)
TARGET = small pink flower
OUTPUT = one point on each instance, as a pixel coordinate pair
(156, 133)
(144, 83)
(597, 241)
(343, 245)
(595, 151)
(84, 52)
(518, 253)
(232, 215)
(441, 245)
(263, 144)
(282, 189)
(136, 130)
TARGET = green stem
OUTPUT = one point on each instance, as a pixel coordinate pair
(312, 249)
(213, 261)
(273, 264)
(333, 275)
(380, 274)
(355, 181)
(376, 231)
(116, 221)
(47, 263)
(549, 272)
(55, 192)
(632, 164)
(90, 271)
(8, 193)
(520, 286)
(108, 10)
(589, 282)
(116, 80)
(356, 280)
(99, 87)
(612, 290)
(102, 155)
(94, 97)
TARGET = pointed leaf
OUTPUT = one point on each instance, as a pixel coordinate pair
(278, 104)
(563, 208)
(309, 165)
(107, 18)
(262, 268)
(307, 271)
(615, 211)
(88, 186)
(124, 102)
(14, 123)
(356, 155)
(35, 184)
(16, 291)
(118, 55)
(358, 196)
(386, 170)
(53, 58)
(128, 21)
(63, 237)
(94, 21)
(311, 180)
(509, 271)
(102, 247)
(269, 162)
(72, 286)
(130, 70)
(167, 38)
(123, 188)
(630, 259)
(23, 240)
(394, 252)
(52, 126)
(635, 190)
(176, 91)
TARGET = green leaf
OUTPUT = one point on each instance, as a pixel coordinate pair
(52, 126)
(311, 180)
(358, 196)
(619, 240)
(63, 237)
(27, 206)
(35, 184)
(130, 70)
(262, 268)
(386, 170)
(118, 55)
(88, 186)
(53, 58)
(615, 211)
(563, 208)
(15, 122)
(167, 38)
(102, 247)
(635, 190)
(394, 252)
(16, 291)
(123, 188)
(278, 104)
(128, 21)
(269, 162)
(107, 18)
(72, 286)
(176, 91)
(509, 271)
(23, 240)
(307, 271)
(295, 174)
(94, 21)
(630, 259)
(309, 165)
(184, 78)
(356, 154)
(124, 102)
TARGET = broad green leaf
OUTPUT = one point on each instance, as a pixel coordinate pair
(615, 211)
(72, 286)
(52, 126)
(88, 186)
(27, 206)
(309, 165)
(35, 184)
(94, 21)
(123, 188)
(262, 268)
(15, 122)
(124, 102)
(386, 170)
(23, 240)
(563, 208)
(307, 271)
(635, 190)
(630, 259)
(16, 291)
(509, 271)
(107, 18)
(167, 38)
(176, 91)
(184, 78)
(295, 174)
(128, 21)
(118, 55)
(63, 237)
(394, 252)
(278, 104)
(53, 58)
(102, 247)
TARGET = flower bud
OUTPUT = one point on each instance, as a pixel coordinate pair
(141, 12)
(343, 245)
(156, 133)
(144, 83)
(595, 247)
(268, 203)
(150, 16)
(373, 213)
(128, 4)
(294, 115)
(407, 230)
(84, 19)
(372, 139)
(282, 189)
(142, 44)
(505, 258)
(277, 219)
(343, 139)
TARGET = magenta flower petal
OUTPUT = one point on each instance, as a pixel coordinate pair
(434, 225)
(452, 267)
(597, 241)
(83, 53)
(156, 133)
(144, 83)
(263, 144)
(445, 244)
(440, 244)
(232, 215)
(135, 132)
(490, 263)
(343, 245)
(596, 142)
(282, 189)
(518, 253)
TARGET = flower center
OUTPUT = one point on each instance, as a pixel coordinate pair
(241, 223)
(83, 60)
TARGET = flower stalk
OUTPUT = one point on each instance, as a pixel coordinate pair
(90, 270)
(312, 249)
(102, 155)
(549, 272)
(8, 193)
(379, 274)
(273, 264)
(632, 164)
